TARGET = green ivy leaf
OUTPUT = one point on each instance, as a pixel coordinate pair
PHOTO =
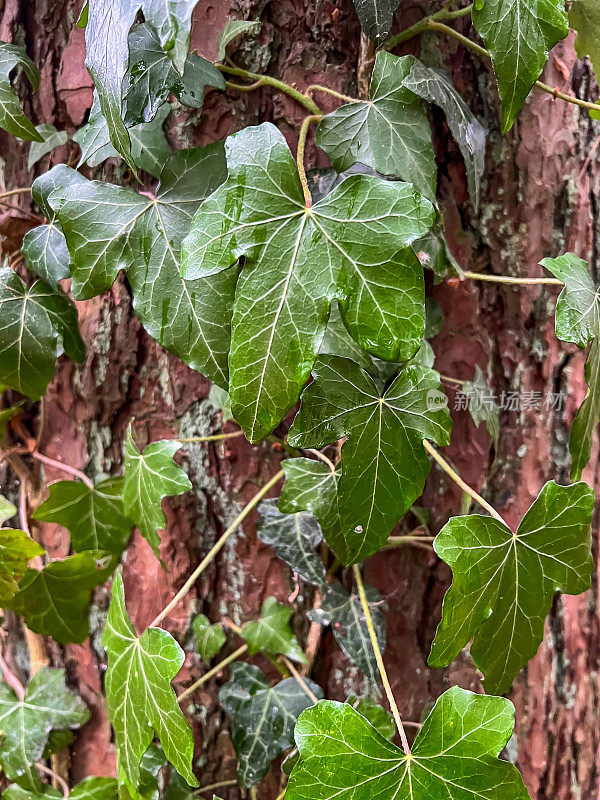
(12, 118)
(454, 755)
(231, 30)
(376, 17)
(519, 35)
(139, 695)
(376, 715)
(109, 228)
(149, 477)
(51, 139)
(389, 133)
(482, 405)
(209, 638)
(47, 705)
(384, 464)
(7, 509)
(296, 262)
(294, 538)
(92, 788)
(503, 584)
(272, 634)
(16, 550)
(584, 17)
(95, 518)
(172, 20)
(55, 601)
(433, 253)
(37, 325)
(343, 612)
(263, 717)
(338, 342)
(58, 740)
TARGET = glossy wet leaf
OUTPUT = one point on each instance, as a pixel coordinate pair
(47, 705)
(343, 612)
(141, 701)
(294, 538)
(338, 342)
(209, 638)
(12, 117)
(503, 584)
(263, 717)
(16, 550)
(482, 404)
(519, 35)
(55, 601)
(172, 20)
(271, 633)
(95, 518)
(51, 139)
(390, 132)
(454, 756)
(376, 715)
(384, 464)
(296, 262)
(232, 29)
(376, 17)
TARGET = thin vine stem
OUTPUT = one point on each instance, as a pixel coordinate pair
(215, 437)
(316, 87)
(13, 192)
(55, 776)
(398, 541)
(51, 462)
(266, 80)
(480, 276)
(281, 795)
(241, 88)
(300, 680)
(322, 457)
(212, 672)
(307, 122)
(379, 658)
(212, 786)
(215, 549)
(12, 680)
(423, 25)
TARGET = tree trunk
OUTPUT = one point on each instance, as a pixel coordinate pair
(541, 197)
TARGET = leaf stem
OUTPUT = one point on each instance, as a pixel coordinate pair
(212, 672)
(379, 658)
(240, 88)
(316, 87)
(266, 80)
(459, 482)
(216, 437)
(423, 25)
(322, 457)
(397, 541)
(13, 192)
(308, 121)
(50, 462)
(55, 776)
(211, 786)
(455, 381)
(300, 680)
(12, 680)
(215, 549)
(480, 276)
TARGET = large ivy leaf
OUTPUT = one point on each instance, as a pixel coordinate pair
(271, 632)
(343, 612)
(376, 17)
(149, 477)
(172, 20)
(584, 17)
(263, 717)
(209, 638)
(503, 583)
(36, 325)
(26, 725)
(16, 550)
(578, 321)
(92, 788)
(139, 695)
(55, 600)
(519, 35)
(296, 261)
(95, 518)
(294, 538)
(454, 756)
(390, 132)
(12, 118)
(384, 464)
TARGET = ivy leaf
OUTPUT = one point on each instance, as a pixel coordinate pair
(7, 509)
(263, 717)
(390, 132)
(109, 228)
(343, 612)
(6, 414)
(16, 550)
(47, 705)
(272, 634)
(578, 321)
(149, 477)
(58, 740)
(95, 518)
(384, 464)
(37, 325)
(232, 29)
(376, 17)
(55, 600)
(51, 139)
(209, 638)
(482, 405)
(12, 118)
(172, 21)
(584, 17)
(139, 695)
(338, 342)
(296, 262)
(92, 788)
(433, 253)
(436, 86)
(294, 538)
(519, 35)
(376, 715)
(454, 754)
(503, 584)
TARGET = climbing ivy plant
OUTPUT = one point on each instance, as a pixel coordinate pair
(287, 296)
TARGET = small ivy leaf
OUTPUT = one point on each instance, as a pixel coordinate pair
(584, 17)
(272, 634)
(16, 550)
(343, 612)
(209, 638)
(7, 509)
(454, 755)
(149, 477)
(578, 321)
(58, 740)
(82, 19)
(232, 29)
(55, 601)
(51, 139)
(434, 254)
(12, 118)
(139, 695)
(436, 86)
(220, 399)
(390, 133)
(37, 325)
(47, 705)
(95, 518)
(92, 788)
(294, 538)
(263, 717)
(503, 584)
(297, 262)
(384, 464)
(376, 17)
(376, 715)
(519, 35)
(482, 404)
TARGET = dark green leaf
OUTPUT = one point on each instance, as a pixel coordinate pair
(376, 17)
(16, 550)
(6, 414)
(51, 139)
(272, 634)
(91, 788)
(12, 118)
(209, 638)
(338, 342)
(503, 583)
(46, 254)
(377, 716)
(433, 253)
(171, 20)
(232, 29)
(482, 404)
(58, 740)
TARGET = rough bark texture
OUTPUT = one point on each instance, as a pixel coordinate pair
(541, 197)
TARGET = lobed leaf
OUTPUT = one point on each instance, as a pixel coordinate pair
(16, 551)
(271, 632)
(376, 17)
(12, 117)
(51, 139)
(209, 638)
